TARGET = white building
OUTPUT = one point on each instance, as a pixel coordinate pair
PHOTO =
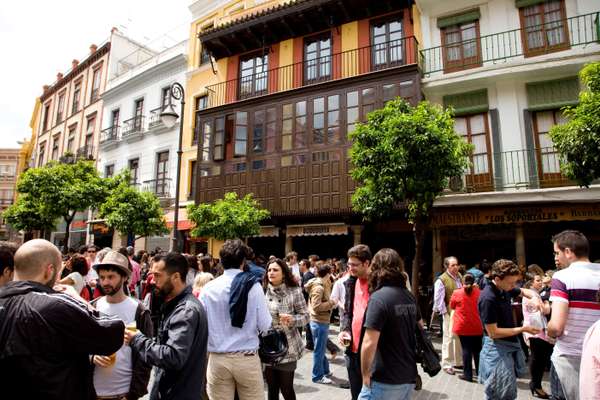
(133, 136)
(508, 67)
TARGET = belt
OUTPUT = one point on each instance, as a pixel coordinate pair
(118, 397)
(246, 353)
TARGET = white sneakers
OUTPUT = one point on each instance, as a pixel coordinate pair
(325, 380)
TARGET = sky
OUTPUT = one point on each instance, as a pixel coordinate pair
(40, 38)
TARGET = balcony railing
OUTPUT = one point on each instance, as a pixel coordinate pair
(109, 134)
(514, 169)
(133, 126)
(155, 120)
(160, 187)
(85, 153)
(497, 47)
(346, 64)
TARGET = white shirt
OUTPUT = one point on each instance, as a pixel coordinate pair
(92, 276)
(78, 282)
(222, 336)
(338, 293)
(115, 380)
(295, 268)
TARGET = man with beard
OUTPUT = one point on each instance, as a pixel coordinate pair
(179, 354)
(46, 336)
(123, 375)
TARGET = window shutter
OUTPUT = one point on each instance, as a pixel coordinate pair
(527, 3)
(553, 94)
(496, 148)
(531, 152)
(468, 103)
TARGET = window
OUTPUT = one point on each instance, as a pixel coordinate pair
(253, 75)
(219, 145)
(317, 59)
(55, 146)
(41, 153)
(263, 137)
(193, 174)
(96, 85)
(293, 132)
(387, 40)
(114, 121)
(548, 157)
(241, 133)
(91, 124)
(474, 130)
(351, 110)
(162, 173)
(71, 138)
(46, 117)
(206, 136)
(109, 171)
(544, 27)
(461, 46)
(138, 114)
(296, 159)
(134, 169)
(368, 102)
(165, 96)
(200, 104)
(76, 96)
(204, 55)
(61, 107)
(326, 119)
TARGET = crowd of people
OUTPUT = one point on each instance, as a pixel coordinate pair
(95, 323)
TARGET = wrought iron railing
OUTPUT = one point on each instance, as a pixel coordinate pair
(160, 187)
(155, 120)
(513, 169)
(133, 126)
(349, 63)
(497, 47)
(85, 153)
(109, 134)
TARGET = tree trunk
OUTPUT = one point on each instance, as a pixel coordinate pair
(68, 220)
(419, 235)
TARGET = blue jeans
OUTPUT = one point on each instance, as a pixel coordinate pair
(385, 391)
(320, 332)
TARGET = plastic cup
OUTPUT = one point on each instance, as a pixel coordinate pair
(113, 359)
(131, 327)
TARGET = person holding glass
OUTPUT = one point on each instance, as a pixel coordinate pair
(289, 312)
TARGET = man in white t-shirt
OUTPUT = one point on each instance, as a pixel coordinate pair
(123, 375)
(292, 261)
(574, 310)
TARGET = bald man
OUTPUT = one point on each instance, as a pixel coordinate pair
(46, 336)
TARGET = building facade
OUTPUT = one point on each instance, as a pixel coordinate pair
(285, 82)
(508, 67)
(134, 138)
(9, 160)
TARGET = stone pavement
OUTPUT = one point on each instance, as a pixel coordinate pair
(442, 386)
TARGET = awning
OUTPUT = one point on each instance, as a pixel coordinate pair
(183, 224)
(317, 229)
(268, 231)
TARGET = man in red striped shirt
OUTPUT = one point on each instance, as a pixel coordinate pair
(574, 310)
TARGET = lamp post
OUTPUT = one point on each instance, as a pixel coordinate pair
(169, 116)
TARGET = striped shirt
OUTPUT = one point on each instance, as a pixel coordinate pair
(576, 285)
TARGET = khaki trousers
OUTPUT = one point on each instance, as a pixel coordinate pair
(228, 372)
(451, 350)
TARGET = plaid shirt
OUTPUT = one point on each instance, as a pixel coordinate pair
(288, 300)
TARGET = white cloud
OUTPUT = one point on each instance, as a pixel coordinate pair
(39, 39)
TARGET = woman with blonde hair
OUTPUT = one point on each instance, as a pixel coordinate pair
(201, 279)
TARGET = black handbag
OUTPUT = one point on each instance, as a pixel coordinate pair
(426, 354)
(273, 346)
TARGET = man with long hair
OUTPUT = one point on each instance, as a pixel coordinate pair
(388, 357)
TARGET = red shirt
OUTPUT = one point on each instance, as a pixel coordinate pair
(466, 321)
(361, 299)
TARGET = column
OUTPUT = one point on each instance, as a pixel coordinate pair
(437, 252)
(357, 233)
(520, 245)
(288, 244)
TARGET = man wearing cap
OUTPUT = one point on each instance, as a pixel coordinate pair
(124, 375)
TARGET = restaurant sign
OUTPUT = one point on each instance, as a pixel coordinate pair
(511, 215)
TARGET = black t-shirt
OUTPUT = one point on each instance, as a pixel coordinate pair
(495, 308)
(392, 311)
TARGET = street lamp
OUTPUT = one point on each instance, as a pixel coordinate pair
(169, 116)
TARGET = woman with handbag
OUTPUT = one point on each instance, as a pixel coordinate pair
(289, 312)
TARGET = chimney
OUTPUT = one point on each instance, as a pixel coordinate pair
(93, 48)
(45, 87)
(59, 76)
(74, 63)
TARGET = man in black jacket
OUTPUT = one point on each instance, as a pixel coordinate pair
(356, 299)
(180, 351)
(46, 336)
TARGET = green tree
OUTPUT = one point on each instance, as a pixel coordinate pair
(227, 218)
(29, 214)
(132, 212)
(404, 156)
(64, 189)
(578, 141)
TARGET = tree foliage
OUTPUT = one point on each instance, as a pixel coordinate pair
(227, 218)
(64, 189)
(405, 155)
(130, 211)
(29, 214)
(578, 141)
